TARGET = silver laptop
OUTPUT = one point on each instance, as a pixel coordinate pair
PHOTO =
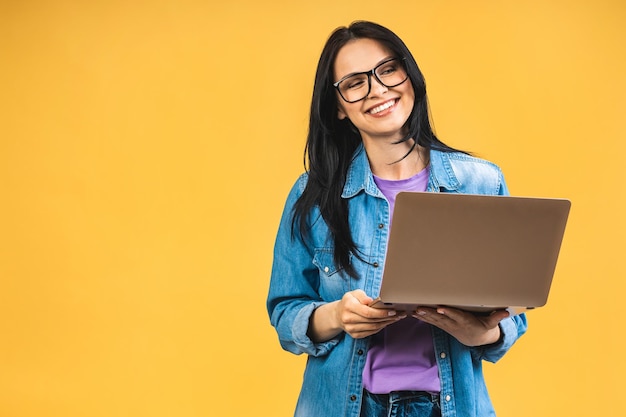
(473, 252)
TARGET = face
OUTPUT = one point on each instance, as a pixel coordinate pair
(385, 110)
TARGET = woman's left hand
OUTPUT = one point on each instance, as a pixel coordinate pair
(468, 328)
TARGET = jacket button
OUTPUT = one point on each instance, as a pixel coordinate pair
(375, 264)
(442, 355)
(353, 397)
(448, 398)
(359, 352)
(381, 226)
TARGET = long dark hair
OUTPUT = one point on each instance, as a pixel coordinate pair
(331, 142)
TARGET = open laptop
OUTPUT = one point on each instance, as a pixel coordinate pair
(473, 252)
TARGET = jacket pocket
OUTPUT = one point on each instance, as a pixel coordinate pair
(333, 284)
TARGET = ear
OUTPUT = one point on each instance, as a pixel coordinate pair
(341, 114)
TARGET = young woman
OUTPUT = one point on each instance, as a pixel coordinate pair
(369, 138)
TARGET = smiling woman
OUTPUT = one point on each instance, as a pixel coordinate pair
(370, 138)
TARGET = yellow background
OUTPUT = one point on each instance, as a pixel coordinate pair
(147, 147)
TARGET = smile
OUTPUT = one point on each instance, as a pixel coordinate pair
(386, 105)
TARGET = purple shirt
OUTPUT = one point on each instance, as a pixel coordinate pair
(402, 356)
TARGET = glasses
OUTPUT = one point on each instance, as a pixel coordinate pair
(355, 87)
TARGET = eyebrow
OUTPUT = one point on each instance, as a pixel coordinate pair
(365, 72)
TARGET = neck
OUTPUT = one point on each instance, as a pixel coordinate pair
(388, 161)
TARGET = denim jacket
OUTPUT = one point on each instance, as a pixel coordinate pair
(305, 277)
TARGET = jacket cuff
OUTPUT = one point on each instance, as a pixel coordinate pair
(508, 335)
(300, 329)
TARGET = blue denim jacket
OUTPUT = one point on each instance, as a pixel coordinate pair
(304, 277)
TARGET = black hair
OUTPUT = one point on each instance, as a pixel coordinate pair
(331, 142)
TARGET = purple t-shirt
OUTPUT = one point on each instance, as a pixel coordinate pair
(402, 356)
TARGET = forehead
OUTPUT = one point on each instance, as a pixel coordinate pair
(359, 55)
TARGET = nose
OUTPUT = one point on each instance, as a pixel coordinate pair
(376, 87)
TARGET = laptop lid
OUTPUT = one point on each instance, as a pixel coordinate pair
(473, 252)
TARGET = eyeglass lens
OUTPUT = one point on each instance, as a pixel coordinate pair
(390, 73)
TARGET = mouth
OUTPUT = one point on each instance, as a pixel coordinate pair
(380, 108)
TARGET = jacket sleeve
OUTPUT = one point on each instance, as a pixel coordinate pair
(293, 291)
(502, 188)
(512, 328)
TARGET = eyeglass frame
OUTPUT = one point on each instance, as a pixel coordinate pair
(369, 78)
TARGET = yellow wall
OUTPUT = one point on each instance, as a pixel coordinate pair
(146, 148)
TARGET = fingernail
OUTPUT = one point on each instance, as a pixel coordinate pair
(421, 312)
(391, 313)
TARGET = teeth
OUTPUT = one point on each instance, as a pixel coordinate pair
(382, 107)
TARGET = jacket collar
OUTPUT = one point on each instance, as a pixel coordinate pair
(360, 175)
(442, 175)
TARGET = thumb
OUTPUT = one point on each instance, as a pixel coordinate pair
(362, 297)
(496, 317)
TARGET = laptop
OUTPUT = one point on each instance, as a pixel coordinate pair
(473, 252)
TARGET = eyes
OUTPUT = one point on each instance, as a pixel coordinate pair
(388, 69)
(356, 81)
(390, 73)
(383, 71)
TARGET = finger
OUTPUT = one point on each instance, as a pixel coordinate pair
(364, 310)
(361, 297)
(431, 316)
(356, 319)
(363, 329)
(455, 314)
(429, 312)
(364, 315)
(496, 317)
(375, 316)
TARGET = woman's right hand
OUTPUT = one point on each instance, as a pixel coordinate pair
(353, 315)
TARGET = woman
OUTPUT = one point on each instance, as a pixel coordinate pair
(370, 137)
